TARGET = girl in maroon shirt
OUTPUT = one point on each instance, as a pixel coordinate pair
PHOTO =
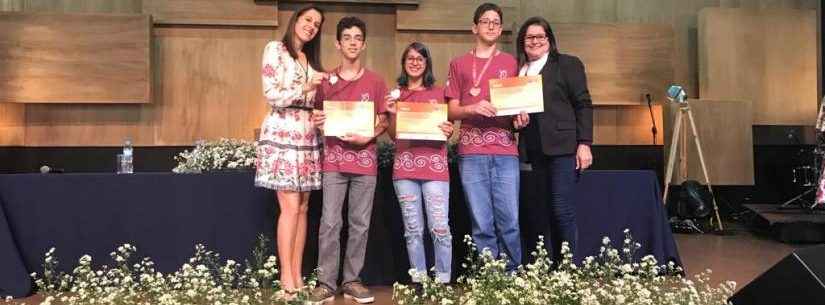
(420, 170)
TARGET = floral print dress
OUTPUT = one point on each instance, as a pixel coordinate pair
(289, 147)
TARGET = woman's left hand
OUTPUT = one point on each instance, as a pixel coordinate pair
(583, 157)
(521, 120)
(446, 128)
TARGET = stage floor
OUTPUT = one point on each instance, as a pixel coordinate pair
(740, 257)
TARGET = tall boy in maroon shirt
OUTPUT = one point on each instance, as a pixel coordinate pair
(488, 156)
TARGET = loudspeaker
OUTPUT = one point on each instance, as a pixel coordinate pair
(796, 279)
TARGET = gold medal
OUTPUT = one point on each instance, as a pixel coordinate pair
(475, 91)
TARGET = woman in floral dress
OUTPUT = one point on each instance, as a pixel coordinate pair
(289, 150)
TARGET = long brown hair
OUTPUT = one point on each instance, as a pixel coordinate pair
(312, 49)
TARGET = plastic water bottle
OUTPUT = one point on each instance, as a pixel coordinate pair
(127, 162)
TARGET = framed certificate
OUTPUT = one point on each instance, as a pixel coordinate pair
(349, 117)
(419, 121)
(516, 94)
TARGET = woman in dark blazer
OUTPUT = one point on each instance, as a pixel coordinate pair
(557, 141)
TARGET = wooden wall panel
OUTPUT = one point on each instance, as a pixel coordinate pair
(626, 125)
(105, 61)
(389, 2)
(571, 11)
(12, 116)
(623, 62)
(645, 11)
(87, 124)
(457, 15)
(765, 56)
(222, 97)
(83, 6)
(769, 4)
(12, 124)
(726, 136)
(220, 71)
(212, 12)
(681, 14)
(11, 5)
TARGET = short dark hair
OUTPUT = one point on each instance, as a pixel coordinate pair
(312, 49)
(483, 8)
(553, 53)
(428, 77)
(350, 22)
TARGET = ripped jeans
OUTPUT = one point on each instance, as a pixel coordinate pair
(436, 196)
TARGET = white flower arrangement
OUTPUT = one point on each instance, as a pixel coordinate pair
(202, 280)
(613, 277)
(217, 155)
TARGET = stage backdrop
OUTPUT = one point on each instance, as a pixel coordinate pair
(743, 51)
(205, 61)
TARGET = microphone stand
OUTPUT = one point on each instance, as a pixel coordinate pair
(653, 129)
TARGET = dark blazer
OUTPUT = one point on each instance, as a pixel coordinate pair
(567, 119)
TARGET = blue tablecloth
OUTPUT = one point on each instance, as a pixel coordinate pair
(607, 203)
(163, 214)
(166, 214)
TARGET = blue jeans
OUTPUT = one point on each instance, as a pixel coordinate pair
(491, 186)
(561, 175)
(436, 195)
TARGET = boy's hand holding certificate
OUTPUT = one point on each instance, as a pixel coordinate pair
(420, 121)
(513, 95)
(343, 118)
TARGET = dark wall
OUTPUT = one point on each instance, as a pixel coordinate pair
(85, 159)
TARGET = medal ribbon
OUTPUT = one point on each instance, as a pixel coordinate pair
(477, 78)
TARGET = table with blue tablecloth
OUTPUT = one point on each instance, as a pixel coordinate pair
(166, 214)
(607, 203)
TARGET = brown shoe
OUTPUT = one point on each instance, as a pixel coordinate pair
(358, 292)
(321, 295)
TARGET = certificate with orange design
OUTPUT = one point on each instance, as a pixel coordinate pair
(516, 94)
(419, 121)
(349, 117)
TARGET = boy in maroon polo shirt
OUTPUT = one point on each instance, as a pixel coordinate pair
(350, 163)
(488, 163)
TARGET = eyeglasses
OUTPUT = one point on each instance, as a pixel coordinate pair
(535, 38)
(415, 59)
(489, 23)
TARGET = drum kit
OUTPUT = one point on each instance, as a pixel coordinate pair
(811, 176)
